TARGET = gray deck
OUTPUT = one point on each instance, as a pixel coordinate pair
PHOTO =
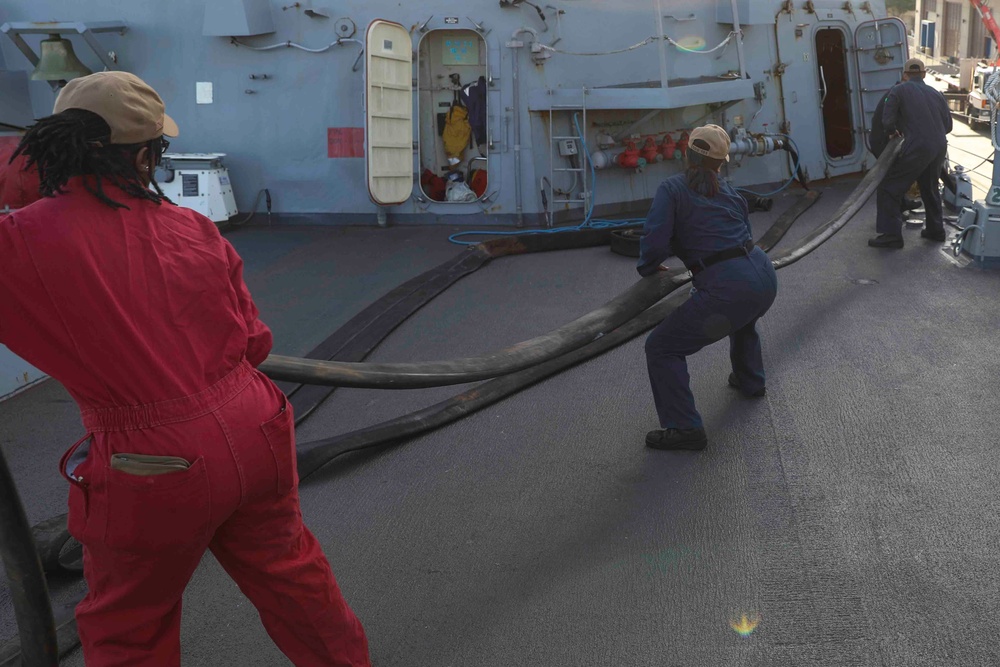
(854, 508)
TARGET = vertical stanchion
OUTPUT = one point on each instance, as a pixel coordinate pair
(30, 593)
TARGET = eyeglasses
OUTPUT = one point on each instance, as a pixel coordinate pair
(164, 145)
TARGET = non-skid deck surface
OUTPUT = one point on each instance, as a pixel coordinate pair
(852, 510)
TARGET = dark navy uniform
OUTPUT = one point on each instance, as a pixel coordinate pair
(921, 114)
(877, 138)
(729, 296)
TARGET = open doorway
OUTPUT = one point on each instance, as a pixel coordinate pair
(835, 95)
(452, 104)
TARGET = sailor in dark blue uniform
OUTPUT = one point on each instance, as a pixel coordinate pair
(878, 140)
(705, 223)
(921, 115)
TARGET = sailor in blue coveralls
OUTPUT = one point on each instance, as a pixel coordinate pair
(705, 223)
(921, 115)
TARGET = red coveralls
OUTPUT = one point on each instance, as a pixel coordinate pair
(143, 315)
(18, 186)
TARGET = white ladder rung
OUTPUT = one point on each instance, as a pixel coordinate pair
(553, 156)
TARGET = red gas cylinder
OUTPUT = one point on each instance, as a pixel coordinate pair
(668, 149)
(682, 145)
(629, 159)
(650, 153)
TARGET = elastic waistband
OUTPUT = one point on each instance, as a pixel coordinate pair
(134, 417)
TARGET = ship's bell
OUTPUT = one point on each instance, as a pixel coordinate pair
(58, 62)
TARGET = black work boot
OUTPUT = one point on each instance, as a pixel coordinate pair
(672, 438)
(735, 384)
(940, 236)
(886, 241)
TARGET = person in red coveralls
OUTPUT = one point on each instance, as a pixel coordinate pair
(18, 185)
(139, 308)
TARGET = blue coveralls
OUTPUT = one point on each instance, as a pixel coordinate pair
(728, 299)
(922, 115)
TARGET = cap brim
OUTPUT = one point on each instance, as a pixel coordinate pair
(170, 128)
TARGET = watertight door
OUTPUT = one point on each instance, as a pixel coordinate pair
(881, 50)
(389, 115)
(818, 97)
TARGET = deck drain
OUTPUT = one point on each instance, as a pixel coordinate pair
(864, 281)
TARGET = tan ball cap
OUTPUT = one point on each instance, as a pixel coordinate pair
(716, 138)
(914, 65)
(127, 104)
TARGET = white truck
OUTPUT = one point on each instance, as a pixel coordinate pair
(978, 107)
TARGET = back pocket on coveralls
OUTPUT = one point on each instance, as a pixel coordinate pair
(158, 512)
(280, 433)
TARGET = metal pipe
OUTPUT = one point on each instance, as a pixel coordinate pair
(739, 41)
(30, 593)
(637, 124)
(664, 78)
(515, 46)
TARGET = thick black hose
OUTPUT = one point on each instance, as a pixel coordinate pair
(313, 456)
(29, 591)
(528, 353)
(356, 339)
(577, 333)
(800, 175)
(854, 203)
(560, 341)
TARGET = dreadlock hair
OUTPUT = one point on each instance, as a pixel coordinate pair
(702, 171)
(77, 142)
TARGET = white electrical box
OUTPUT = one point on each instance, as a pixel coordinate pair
(567, 147)
(198, 181)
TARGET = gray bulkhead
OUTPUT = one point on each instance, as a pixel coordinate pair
(298, 131)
